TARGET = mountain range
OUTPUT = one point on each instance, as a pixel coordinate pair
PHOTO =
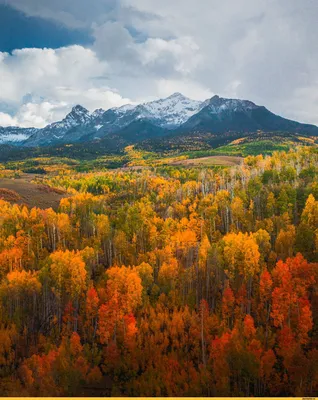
(174, 115)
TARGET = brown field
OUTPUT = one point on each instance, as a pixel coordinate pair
(210, 161)
(23, 191)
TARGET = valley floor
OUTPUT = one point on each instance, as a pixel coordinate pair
(210, 161)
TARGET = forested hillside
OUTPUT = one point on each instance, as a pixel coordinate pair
(164, 281)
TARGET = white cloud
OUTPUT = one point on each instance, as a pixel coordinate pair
(54, 81)
(43, 71)
(39, 114)
(179, 56)
(35, 115)
(7, 120)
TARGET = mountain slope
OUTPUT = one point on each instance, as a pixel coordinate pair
(15, 136)
(230, 115)
(53, 133)
(140, 130)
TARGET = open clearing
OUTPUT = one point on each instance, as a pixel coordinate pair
(22, 191)
(210, 161)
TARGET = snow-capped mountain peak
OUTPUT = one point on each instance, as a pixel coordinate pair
(176, 95)
(168, 113)
(78, 114)
(124, 108)
(97, 113)
(219, 104)
(173, 110)
(78, 117)
(79, 109)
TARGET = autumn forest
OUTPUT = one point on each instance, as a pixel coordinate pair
(164, 280)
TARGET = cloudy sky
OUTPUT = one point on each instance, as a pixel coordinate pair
(105, 53)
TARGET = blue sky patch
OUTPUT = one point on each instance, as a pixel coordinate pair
(19, 31)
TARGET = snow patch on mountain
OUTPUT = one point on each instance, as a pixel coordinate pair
(78, 116)
(167, 113)
(13, 137)
(218, 105)
(123, 109)
(174, 110)
(97, 113)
